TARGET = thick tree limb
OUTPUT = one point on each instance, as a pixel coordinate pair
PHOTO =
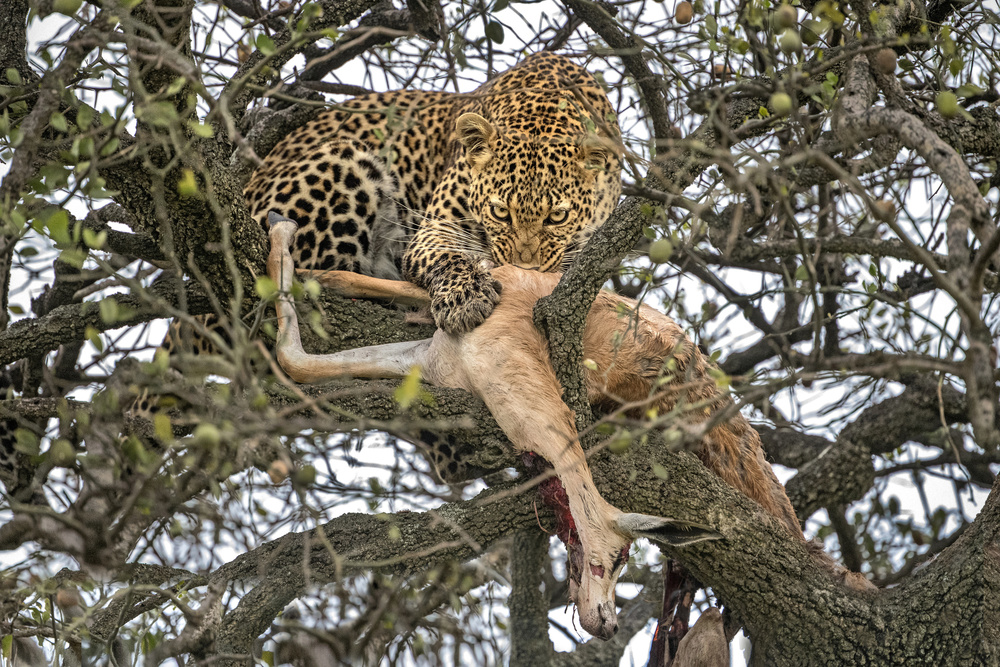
(69, 323)
(768, 579)
(528, 604)
(14, 40)
(361, 542)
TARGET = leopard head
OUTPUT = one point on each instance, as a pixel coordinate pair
(538, 192)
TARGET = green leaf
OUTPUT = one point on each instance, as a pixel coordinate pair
(176, 86)
(94, 336)
(162, 427)
(316, 321)
(54, 175)
(14, 77)
(409, 388)
(265, 44)
(312, 10)
(110, 146)
(94, 240)
(620, 443)
(265, 287)
(969, 90)
(659, 471)
(84, 117)
(158, 114)
(73, 256)
(109, 310)
(83, 147)
(56, 226)
(722, 380)
(199, 130)
(27, 442)
(495, 32)
(802, 273)
(187, 186)
(94, 187)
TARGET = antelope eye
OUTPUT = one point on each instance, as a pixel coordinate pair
(557, 217)
(500, 212)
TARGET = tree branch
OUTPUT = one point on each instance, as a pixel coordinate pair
(69, 323)
(765, 576)
(528, 604)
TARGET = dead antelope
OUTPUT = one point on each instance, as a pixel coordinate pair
(505, 362)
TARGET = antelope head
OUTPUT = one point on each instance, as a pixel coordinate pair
(596, 559)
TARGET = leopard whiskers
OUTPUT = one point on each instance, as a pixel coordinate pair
(454, 244)
(570, 254)
(457, 237)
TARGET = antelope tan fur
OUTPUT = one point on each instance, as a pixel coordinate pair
(505, 362)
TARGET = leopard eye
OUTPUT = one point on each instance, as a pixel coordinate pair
(557, 217)
(500, 212)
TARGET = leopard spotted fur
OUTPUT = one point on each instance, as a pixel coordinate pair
(443, 185)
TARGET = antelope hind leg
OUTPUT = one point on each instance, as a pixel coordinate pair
(378, 361)
(358, 286)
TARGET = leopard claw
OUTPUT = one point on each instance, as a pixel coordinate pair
(463, 308)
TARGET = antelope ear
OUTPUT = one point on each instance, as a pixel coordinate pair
(477, 135)
(598, 152)
(671, 532)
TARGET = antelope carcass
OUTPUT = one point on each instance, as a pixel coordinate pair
(505, 362)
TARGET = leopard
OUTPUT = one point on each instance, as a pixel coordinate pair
(439, 187)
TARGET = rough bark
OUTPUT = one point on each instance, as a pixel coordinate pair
(770, 582)
(529, 604)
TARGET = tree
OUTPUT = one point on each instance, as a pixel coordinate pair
(811, 193)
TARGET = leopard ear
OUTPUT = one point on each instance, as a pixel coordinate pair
(477, 135)
(598, 152)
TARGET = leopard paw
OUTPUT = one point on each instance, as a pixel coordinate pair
(464, 300)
